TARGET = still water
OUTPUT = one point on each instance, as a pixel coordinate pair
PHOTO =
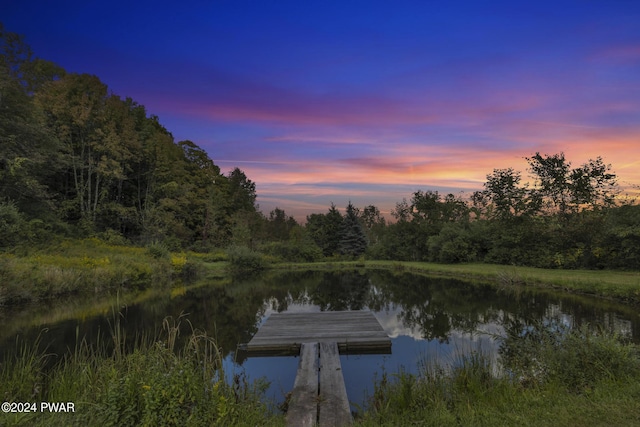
(430, 320)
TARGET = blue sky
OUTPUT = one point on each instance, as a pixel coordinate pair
(321, 101)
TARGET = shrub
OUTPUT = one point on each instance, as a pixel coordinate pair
(158, 250)
(178, 262)
(217, 256)
(11, 225)
(243, 260)
(451, 245)
(294, 252)
(113, 237)
(575, 358)
(191, 271)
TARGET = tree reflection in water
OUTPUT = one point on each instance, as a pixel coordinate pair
(429, 308)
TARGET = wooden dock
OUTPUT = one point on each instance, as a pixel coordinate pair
(355, 332)
(319, 396)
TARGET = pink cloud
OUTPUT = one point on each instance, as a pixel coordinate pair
(462, 167)
(312, 145)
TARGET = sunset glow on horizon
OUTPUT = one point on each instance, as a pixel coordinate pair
(368, 102)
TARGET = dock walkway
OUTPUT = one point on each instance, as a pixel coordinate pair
(319, 396)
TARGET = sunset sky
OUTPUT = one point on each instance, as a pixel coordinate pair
(368, 101)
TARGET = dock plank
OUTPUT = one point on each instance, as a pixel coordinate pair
(319, 394)
(333, 404)
(303, 406)
(351, 330)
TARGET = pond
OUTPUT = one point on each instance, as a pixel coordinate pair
(430, 320)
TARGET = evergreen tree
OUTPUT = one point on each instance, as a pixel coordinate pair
(353, 240)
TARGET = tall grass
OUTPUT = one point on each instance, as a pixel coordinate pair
(90, 265)
(550, 377)
(24, 373)
(576, 359)
(167, 380)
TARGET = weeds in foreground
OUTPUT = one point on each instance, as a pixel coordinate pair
(548, 376)
(163, 381)
(23, 375)
(577, 359)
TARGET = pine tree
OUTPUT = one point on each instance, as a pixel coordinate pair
(353, 241)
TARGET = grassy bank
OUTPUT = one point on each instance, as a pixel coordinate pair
(547, 377)
(90, 265)
(619, 285)
(166, 381)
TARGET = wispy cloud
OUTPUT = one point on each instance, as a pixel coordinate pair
(316, 107)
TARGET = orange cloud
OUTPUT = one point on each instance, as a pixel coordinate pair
(399, 168)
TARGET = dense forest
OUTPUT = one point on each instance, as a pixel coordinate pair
(79, 161)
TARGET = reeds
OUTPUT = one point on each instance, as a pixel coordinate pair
(23, 374)
(164, 380)
(580, 377)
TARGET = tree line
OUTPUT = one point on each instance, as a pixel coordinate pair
(567, 217)
(77, 160)
(564, 217)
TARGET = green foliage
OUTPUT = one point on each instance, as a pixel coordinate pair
(554, 377)
(429, 207)
(79, 161)
(324, 229)
(373, 223)
(576, 359)
(113, 237)
(11, 225)
(73, 152)
(26, 150)
(161, 388)
(158, 250)
(279, 225)
(565, 190)
(399, 242)
(352, 239)
(415, 235)
(620, 244)
(216, 256)
(246, 228)
(24, 373)
(243, 260)
(293, 251)
(565, 219)
(79, 266)
(158, 382)
(453, 244)
(508, 198)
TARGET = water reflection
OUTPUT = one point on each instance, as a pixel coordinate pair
(432, 319)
